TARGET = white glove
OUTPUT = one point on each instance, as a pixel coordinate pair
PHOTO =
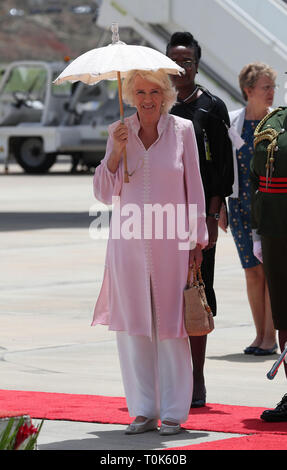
(257, 250)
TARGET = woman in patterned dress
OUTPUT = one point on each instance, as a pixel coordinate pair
(257, 83)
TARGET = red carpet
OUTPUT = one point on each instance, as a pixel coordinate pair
(112, 410)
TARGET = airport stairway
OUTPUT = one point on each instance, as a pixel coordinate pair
(231, 33)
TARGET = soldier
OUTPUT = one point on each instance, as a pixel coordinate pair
(269, 223)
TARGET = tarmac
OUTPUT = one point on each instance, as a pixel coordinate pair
(51, 271)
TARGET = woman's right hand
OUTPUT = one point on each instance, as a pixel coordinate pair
(195, 256)
(120, 139)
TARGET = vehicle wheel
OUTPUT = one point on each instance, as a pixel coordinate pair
(31, 156)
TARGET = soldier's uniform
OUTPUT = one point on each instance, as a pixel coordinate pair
(269, 206)
(269, 219)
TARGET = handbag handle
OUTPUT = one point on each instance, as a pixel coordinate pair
(197, 277)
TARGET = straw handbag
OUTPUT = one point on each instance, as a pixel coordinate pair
(197, 314)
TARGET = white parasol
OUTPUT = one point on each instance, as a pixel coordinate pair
(112, 62)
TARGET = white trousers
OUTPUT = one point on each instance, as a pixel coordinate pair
(157, 376)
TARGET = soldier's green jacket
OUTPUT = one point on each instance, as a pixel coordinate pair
(269, 210)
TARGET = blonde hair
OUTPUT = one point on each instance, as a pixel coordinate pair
(251, 73)
(160, 78)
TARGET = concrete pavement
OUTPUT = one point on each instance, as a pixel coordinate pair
(51, 272)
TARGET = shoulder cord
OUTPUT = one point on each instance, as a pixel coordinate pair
(214, 101)
(271, 135)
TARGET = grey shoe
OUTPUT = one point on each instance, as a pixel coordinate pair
(137, 428)
(168, 429)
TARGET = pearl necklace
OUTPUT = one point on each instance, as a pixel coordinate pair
(190, 96)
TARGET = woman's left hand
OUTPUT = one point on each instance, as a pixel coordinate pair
(195, 256)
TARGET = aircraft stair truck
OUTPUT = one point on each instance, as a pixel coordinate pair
(40, 120)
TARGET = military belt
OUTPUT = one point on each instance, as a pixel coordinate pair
(277, 185)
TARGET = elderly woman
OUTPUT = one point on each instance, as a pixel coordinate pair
(257, 83)
(142, 292)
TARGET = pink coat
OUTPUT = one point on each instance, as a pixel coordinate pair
(166, 174)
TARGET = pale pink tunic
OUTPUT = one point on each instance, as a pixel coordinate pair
(166, 173)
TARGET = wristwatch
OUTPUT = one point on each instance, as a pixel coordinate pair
(216, 215)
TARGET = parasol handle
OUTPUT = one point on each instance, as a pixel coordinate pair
(126, 175)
